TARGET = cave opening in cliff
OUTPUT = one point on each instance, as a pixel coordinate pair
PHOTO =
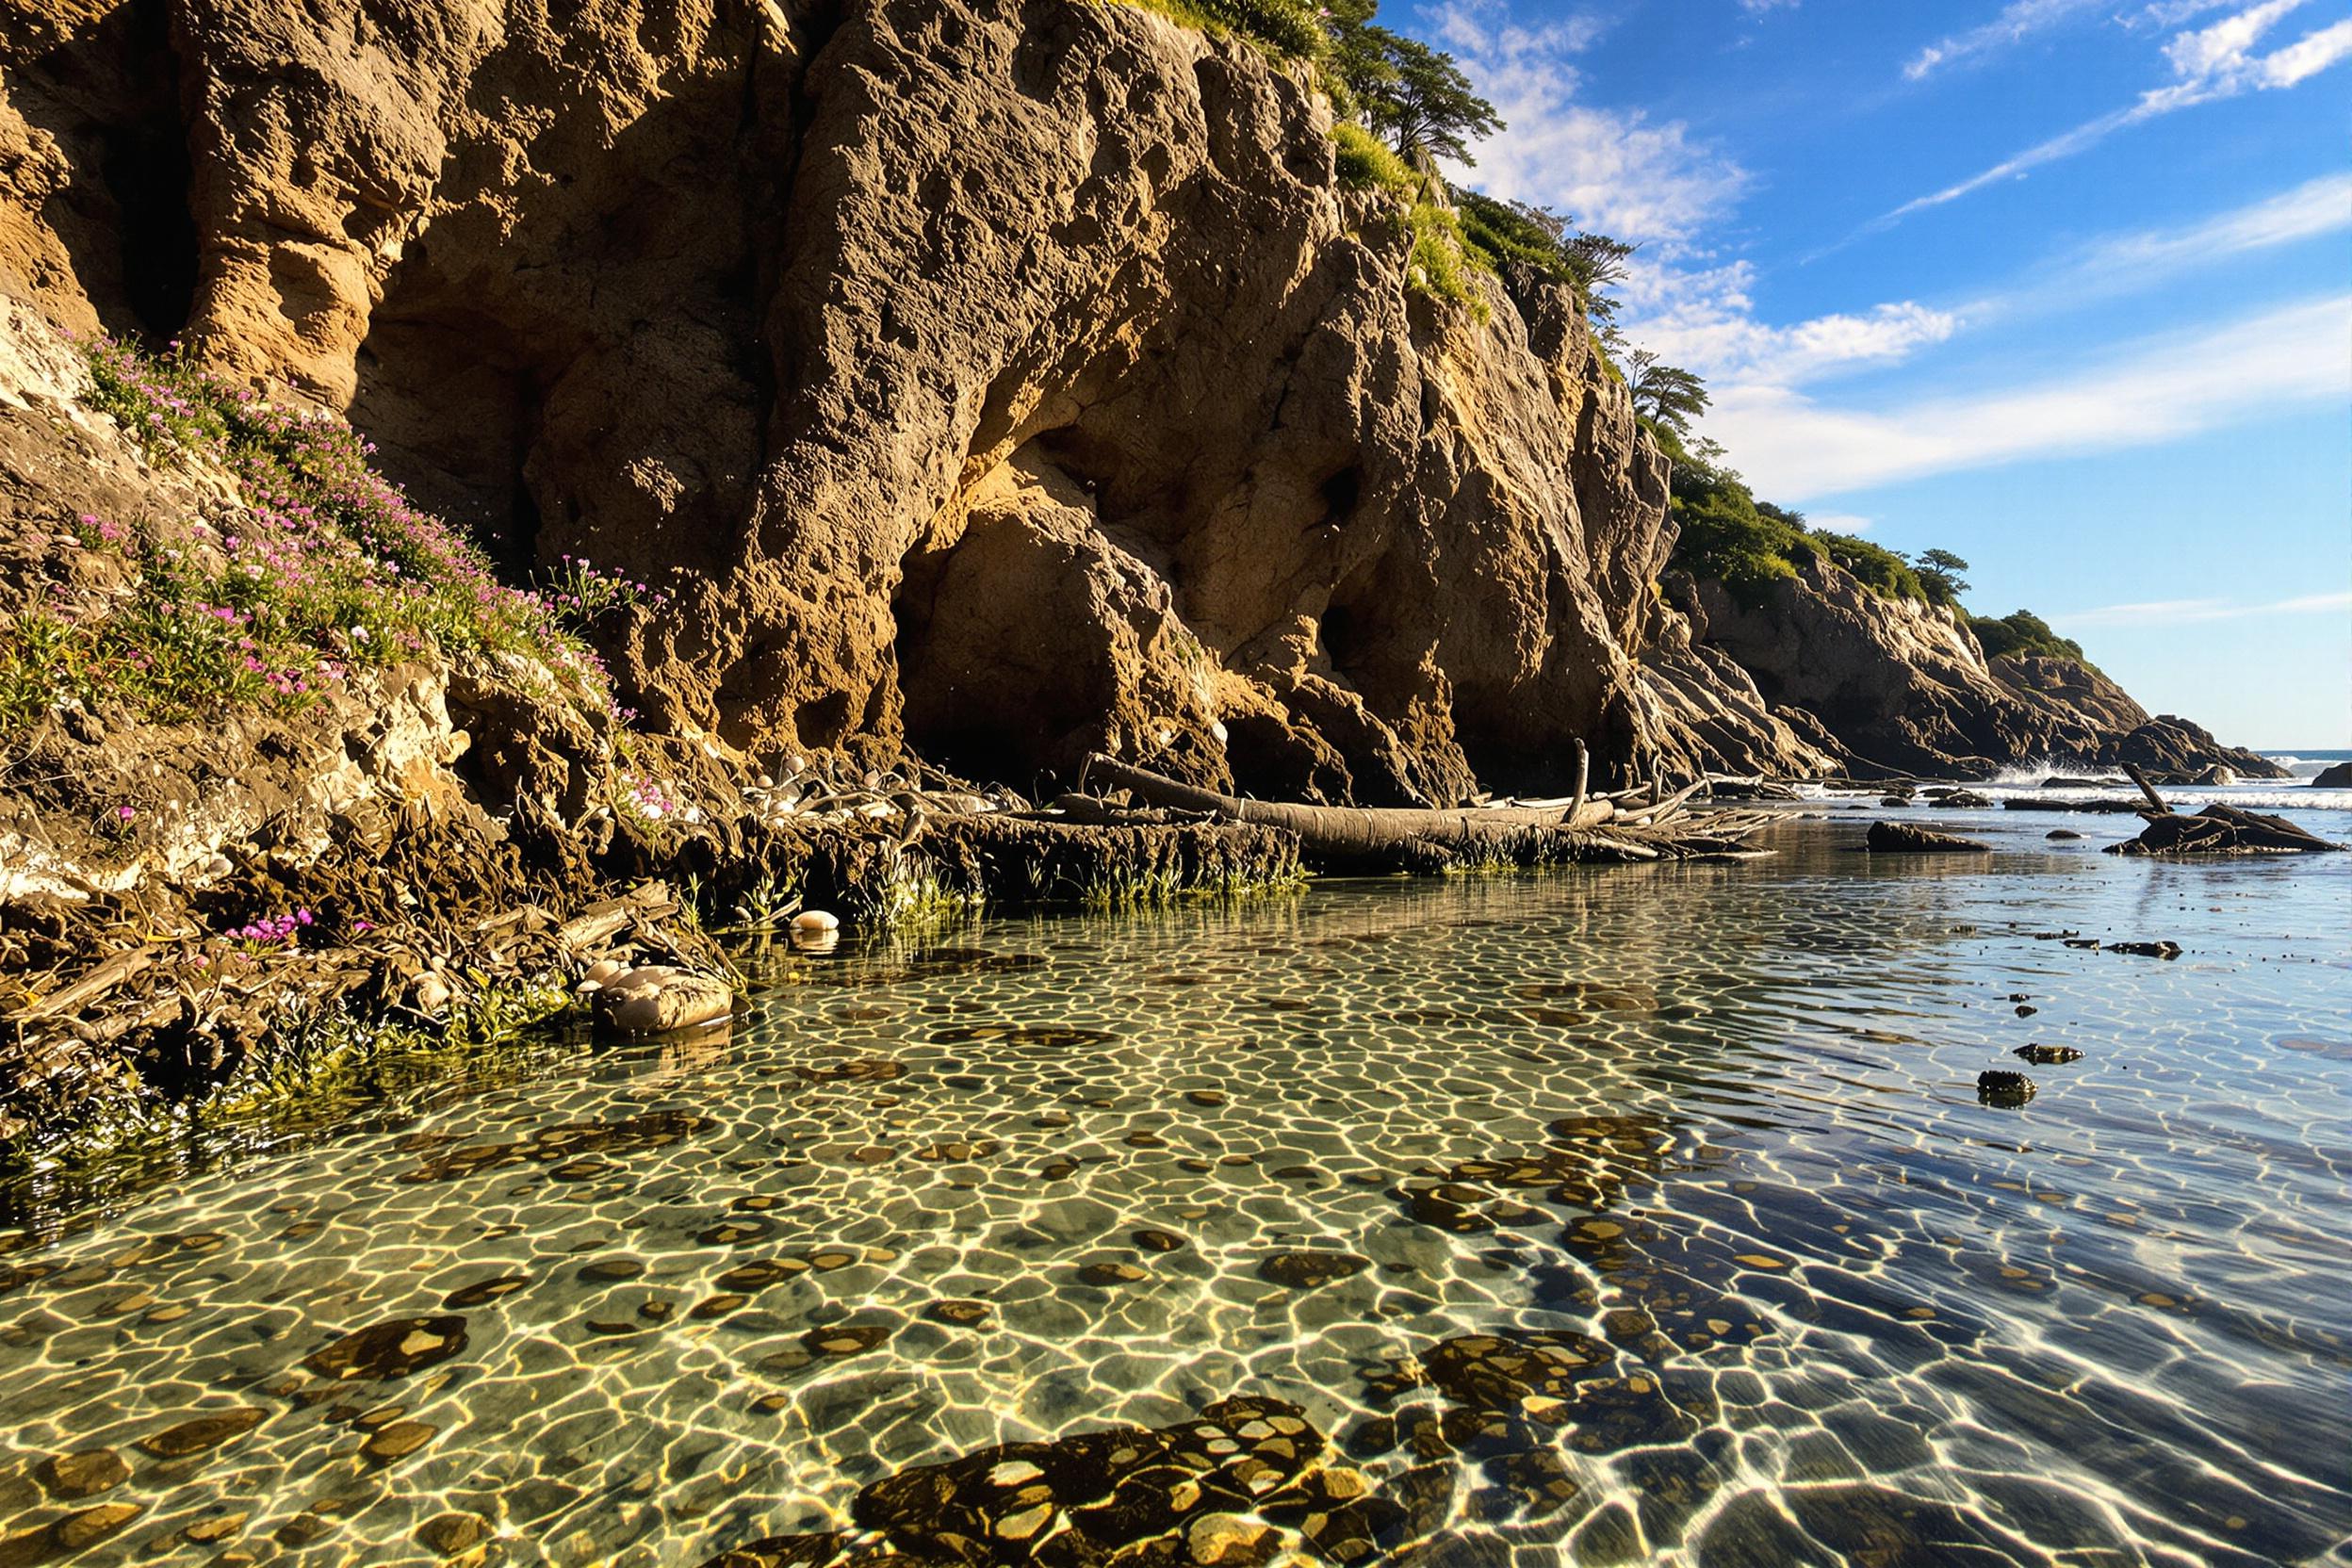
(454, 411)
(983, 693)
(144, 165)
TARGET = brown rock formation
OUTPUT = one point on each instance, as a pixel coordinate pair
(1903, 684)
(1006, 378)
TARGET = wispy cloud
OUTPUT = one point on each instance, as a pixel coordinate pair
(2184, 611)
(2210, 63)
(2017, 21)
(1621, 174)
(1703, 320)
(2121, 264)
(1840, 522)
(1792, 447)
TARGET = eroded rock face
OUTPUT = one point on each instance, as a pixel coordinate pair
(999, 378)
(1903, 685)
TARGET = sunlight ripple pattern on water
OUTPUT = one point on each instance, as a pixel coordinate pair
(1719, 1124)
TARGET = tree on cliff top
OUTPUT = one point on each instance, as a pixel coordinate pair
(1412, 95)
(1939, 573)
(1542, 239)
(1665, 395)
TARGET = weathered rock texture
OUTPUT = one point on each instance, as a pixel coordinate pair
(1903, 684)
(1008, 379)
(1002, 379)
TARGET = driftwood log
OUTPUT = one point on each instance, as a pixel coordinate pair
(1356, 835)
(1352, 838)
(2223, 830)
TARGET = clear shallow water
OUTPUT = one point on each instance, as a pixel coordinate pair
(1649, 1215)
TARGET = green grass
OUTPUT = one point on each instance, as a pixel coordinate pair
(1287, 30)
(1364, 162)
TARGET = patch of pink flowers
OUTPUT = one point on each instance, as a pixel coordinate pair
(271, 929)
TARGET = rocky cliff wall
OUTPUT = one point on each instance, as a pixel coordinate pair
(1903, 684)
(1003, 380)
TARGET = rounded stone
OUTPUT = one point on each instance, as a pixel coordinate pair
(1310, 1270)
(656, 998)
(393, 1349)
(84, 1473)
(448, 1534)
(397, 1441)
(208, 1431)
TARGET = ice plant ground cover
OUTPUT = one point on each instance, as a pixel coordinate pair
(320, 570)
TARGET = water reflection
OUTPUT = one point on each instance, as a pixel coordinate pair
(1643, 1215)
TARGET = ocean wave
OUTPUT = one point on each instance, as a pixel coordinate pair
(2268, 795)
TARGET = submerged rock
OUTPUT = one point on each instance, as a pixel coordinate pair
(2048, 1055)
(1310, 1270)
(393, 1349)
(1892, 838)
(84, 1473)
(1999, 1086)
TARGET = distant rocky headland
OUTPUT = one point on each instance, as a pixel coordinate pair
(456, 458)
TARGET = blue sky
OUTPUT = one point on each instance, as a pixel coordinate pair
(2062, 286)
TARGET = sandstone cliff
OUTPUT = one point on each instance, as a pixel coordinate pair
(1903, 685)
(999, 380)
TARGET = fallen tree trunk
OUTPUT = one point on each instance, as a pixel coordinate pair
(1355, 835)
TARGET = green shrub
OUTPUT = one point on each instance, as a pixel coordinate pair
(1288, 28)
(1442, 257)
(1726, 536)
(2023, 634)
(1874, 565)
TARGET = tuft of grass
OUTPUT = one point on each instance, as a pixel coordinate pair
(325, 570)
(1364, 162)
(1287, 30)
(1443, 257)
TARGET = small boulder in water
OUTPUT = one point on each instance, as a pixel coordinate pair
(1891, 837)
(2061, 833)
(2047, 1055)
(655, 998)
(2223, 830)
(2336, 777)
(2146, 949)
(1998, 1086)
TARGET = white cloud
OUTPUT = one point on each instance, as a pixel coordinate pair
(1617, 174)
(2211, 63)
(2181, 611)
(1703, 321)
(2222, 48)
(1840, 522)
(1760, 8)
(2122, 263)
(1792, 447)
(2017, 21)
(2171, 14)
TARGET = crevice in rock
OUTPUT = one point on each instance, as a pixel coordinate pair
(146, 169)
